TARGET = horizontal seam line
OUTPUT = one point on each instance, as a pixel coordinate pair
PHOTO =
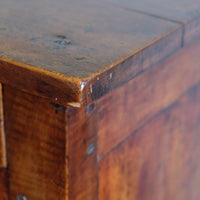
(150, 14)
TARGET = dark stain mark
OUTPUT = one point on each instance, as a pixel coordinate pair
(58, 107)
(62, 37)
(57, 42)
(62, 40)
(80, 58)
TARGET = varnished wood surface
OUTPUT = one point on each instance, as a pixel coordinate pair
(133, 66)
(2, 133)
(55, 87)
(74, 38)
(101, 44)
(3, 184)
(159, 160)
(82, 133)
(36, 147)
(143, 97)
(73, 53)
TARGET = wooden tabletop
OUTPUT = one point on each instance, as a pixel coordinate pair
(74, 41)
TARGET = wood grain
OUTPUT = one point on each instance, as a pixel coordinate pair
(74, 59)
(82, 131)
(75, 38)
(3, 161)
(143, 97)
(133, 65)
(160, 160)
(161, 49)
(65, 90)
(3, 184)
(36, 147)
(54, 87)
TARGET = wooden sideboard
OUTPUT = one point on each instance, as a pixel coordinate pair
(99, 100)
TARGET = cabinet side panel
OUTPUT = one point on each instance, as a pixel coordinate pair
(3, 184)
(2, 134)
(82, 131)
(160, 160)
(131, 106)
(36, 147)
